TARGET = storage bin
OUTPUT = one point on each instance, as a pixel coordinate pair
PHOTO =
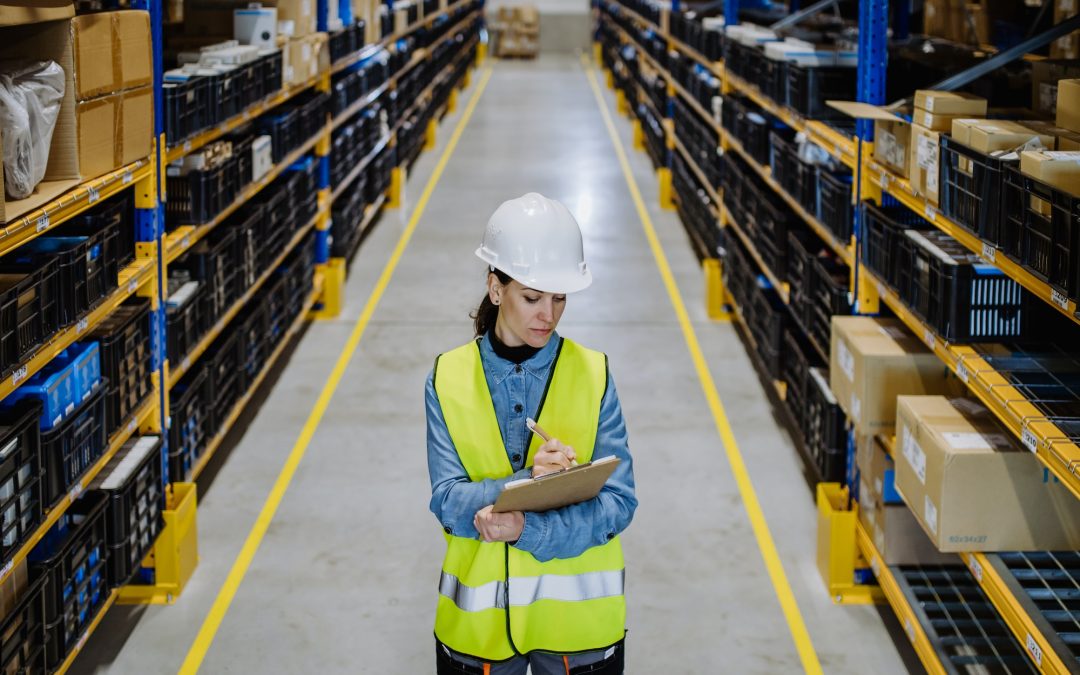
(189, 428)
(1040, 229)
(72, 446)
(21, 477)
(124, 339)
(22, 633)
(973, 189)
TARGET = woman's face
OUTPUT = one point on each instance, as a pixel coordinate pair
(526, 316)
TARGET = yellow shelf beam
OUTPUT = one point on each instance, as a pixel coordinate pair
(212, 134)
(70, 204)
(1023, 628)
(902, 191)
(846, 253)
(904, 612)
(132, 278)
(66, 665)
(238, 408)
(1012, 409)
(782, 287)
(204, 343)
(141, 417)
(184, 237)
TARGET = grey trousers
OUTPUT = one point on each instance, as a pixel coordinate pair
(538, 663)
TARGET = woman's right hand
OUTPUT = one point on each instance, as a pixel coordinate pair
(552, 456)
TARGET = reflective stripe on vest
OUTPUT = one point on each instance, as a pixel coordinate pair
(564, 605)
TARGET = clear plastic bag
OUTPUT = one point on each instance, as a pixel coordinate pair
(30, 96)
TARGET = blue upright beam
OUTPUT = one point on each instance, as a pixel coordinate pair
(873, 57)
(731, 12)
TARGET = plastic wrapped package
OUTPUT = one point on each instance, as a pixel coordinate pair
(30, 97)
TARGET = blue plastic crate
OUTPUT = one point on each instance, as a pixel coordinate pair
(85, 359)
(55, 387)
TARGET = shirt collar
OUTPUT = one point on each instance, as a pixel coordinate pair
(537, 365)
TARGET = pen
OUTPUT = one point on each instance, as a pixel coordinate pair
(532, 426)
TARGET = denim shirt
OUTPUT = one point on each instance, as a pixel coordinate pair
(516, 392)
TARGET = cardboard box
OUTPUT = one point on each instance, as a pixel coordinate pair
(950, 103)
(1068, 46)
(892, 139)
(302, 14)
(989, 136)
(972, 486)
(874, 360)
(932, 121)
(1068, 105)
(18, 12)
(1060, 169)
(136, 125)
(131, 37)
(96, 134)
(305, 58)
(924, 163)
(96, 70)
(901, 540)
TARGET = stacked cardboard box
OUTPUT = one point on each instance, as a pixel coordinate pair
(518, 32)
(934, 113)
(106, 117)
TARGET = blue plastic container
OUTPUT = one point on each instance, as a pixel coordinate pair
(55, 387)
(85, 359)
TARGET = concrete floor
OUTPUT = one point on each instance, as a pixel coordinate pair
(344, 580)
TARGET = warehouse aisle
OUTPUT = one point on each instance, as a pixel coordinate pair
(344, 580)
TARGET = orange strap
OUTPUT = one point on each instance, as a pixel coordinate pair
(487, 669)
(566, 662)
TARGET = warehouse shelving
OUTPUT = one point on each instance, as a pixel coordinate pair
(782, 288)
(77, 649)
(71, 203)
(184, 237)
(175, 374)
(238, 408)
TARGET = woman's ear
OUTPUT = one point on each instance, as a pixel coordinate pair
(495, 288)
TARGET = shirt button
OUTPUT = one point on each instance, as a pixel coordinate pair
(518, 408)
(517, 369)
(610, 536)
(448, 530)
(516, 457)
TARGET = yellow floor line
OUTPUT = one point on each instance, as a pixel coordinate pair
(764, 538)
(228, 590)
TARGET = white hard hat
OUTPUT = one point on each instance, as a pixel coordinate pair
(536, 242)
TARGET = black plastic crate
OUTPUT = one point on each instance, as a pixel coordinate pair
(885, 248)
(72, 559)
(973, 188)
(823, 430)
(198, 196)
(115, 214)
(279, 310)
(962, 298)
(189, 423)
(271, 73)
(186, 108)
(283, 127)
(254, 349)
(225, 381)
(29, 313)
(798, 358)
(72, 447)
(87, 268)
(133, 485)
(249, 229)
(22, 633)
(802, 248)
(185, 321)
(798, 178)
(21, 474)
(809, 87)
(835, 209)
(774, 80)
(830, 281)
(213, 261)
(752, 129)
(1041, 229)
(124, 343)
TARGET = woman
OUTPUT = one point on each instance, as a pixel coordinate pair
(520, 589)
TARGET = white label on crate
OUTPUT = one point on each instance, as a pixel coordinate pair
(989, 252)
(1059, 299)
(82, 641)
(131, 426)
(1029, 440)
(92, 194)
(875, 565)
(909, 629)
(885, 179)
(929, 338)
(881, 288)
(18, 376)
(75, 491)
(187, 146)
(1034, 649)
(7, 568)
(127, 178)
(133, 285)
(82, 326)
(930, 212)
(976, 569)
(962, 372)
(930, 512)
(43, 222)
(847, 361)
(915, 456)
(185, 364)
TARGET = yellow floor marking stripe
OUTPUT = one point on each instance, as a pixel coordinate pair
(240, 567)
(738, 468)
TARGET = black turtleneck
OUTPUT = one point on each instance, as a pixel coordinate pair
(518, 354)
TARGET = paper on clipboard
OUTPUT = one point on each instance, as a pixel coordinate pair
(556, 490)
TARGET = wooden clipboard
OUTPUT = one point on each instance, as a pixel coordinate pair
(555, 490)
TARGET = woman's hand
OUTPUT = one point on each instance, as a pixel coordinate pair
(499, 526)
(551, 457)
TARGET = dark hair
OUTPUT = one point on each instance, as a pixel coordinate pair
(485, 315)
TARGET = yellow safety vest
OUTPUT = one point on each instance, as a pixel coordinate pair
(496, 601)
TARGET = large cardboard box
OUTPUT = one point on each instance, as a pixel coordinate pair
(18, 12)
(301, 13)
(1060, 169)
(950, 103)
(988, 136)
(136, 125)
(95, 135)
(924, 163)
(112, 52)
(131, 37)
(306, 57)
(972, 486)
(901, 540)
(1068, 105)
(874, 360)
(892, 138)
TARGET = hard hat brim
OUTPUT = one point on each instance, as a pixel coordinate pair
(550, 283)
